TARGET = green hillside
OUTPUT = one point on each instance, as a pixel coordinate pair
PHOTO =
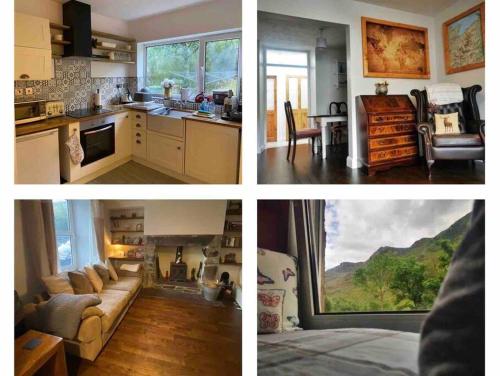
(394, 278)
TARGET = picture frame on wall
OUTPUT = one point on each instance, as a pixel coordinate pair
(394, 50)
(464, 40)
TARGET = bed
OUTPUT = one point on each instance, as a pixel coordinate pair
(339, 352)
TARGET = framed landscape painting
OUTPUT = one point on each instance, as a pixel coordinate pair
(463, 40)
(394, 50)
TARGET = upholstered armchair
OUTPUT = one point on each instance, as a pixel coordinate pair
(469, 145)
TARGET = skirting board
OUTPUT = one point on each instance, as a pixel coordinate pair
(166, 171)
(102, 171)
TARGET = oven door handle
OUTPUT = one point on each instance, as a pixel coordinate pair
(97, 131)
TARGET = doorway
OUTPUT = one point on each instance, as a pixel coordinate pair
(287, 79)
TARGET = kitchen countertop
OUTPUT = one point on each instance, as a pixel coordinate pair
(45, 125)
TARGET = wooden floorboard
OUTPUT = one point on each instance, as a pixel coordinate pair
(170, 334)
(308, 169)
(134, 173)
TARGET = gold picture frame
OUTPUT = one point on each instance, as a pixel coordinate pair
(380, 60)
(459, 54)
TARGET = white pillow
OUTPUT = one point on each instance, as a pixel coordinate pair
(134, 268)
(58, 284)
(94, 278)
(279, 271)
(270, 310)
(112, 271)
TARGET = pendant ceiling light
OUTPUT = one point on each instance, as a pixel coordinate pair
(321, 40)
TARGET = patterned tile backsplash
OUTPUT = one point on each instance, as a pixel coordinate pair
(74, 85)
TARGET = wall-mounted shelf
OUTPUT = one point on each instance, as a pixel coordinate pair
(120, 38)
(141, 231)
(134, 234)
(61, 42)
(125, 218)
(104, 60)
(57, 26)
(126, 258)
(113, 49)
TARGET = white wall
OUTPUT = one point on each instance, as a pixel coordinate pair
(349, 12)
(326, 89)
(464, 79)
(184, 217)
(202, 18)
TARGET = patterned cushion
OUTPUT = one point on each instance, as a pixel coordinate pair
(447, 109)
(270, 310)
(279, 271)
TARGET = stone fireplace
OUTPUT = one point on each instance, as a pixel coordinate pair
(160, 268)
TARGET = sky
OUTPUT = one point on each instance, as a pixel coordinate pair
(357, 228)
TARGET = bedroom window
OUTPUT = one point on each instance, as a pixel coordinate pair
(206, 63)
(64, 235)
(387, 256)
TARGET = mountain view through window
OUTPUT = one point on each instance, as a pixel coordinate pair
(389, 255)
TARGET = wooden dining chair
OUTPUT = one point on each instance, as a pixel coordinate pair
(337, 128)
(294, 134)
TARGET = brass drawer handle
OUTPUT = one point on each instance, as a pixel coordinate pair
(138, 134)
(137, 125)
(138, 142)
(24, 76)
(138, 116)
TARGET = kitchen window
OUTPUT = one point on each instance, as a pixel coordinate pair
(75, 237)
(203, 64)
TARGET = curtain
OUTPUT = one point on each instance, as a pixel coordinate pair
(40, 236)
(98, 223)
(316, 211)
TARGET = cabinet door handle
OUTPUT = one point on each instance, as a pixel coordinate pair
(138, 141)
(24, 76)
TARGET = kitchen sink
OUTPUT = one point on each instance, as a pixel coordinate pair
(167, 121)
(168, 112)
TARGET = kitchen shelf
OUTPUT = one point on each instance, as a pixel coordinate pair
(104, 60)
(56, 26)
(113, 49)
(101, 34)
(125, 218)
(61, 42)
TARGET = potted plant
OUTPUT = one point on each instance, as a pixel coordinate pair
(167, 87)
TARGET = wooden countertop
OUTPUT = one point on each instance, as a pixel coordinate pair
(215, 120)
(61, 121)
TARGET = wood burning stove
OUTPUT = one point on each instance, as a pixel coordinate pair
(178, 272)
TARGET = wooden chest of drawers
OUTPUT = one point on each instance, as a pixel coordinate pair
(388, 133)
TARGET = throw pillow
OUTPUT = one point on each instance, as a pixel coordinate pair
(80, 283)
(446, 109)
(270, 310)
(112, 271)
(103, 272)
(446, 124)
(94, 278)
(279, 271)
(57, 284)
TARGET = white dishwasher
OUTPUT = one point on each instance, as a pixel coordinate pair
(37, 158)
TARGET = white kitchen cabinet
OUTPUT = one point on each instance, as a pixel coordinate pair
(31, 31)
(32, 64)
(166, 151)
(123, 135)
(37, 158)
(212, 152)
(139, 143)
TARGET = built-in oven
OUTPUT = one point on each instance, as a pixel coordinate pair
(97, 137)
(27, 112)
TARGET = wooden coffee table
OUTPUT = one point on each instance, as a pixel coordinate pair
(48, 356)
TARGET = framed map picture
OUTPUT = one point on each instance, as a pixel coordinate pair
(394, 50)
(463, 40)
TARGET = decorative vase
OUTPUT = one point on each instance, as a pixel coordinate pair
(166, 92)
(381, 88)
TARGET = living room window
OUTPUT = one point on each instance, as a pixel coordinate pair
(205, 63)
(64, 235)
(75, 236)
(387, 255)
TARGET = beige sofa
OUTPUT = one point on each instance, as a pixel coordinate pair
(99, 323)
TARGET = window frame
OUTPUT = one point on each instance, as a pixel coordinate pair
(310, 315)
(202, 39)
(72, 239)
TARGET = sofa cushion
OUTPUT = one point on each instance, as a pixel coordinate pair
(112, 305)
(103, 272)
(58, 284)
(112, 271)
(456, 140)
(129, 284)
(94, 278)
(80, 283)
